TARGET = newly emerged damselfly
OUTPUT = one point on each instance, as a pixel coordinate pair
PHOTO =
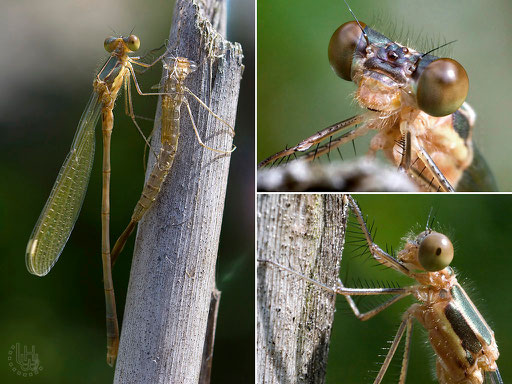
(464, 344)
(61, 210)
(416, 103)
(174, 94)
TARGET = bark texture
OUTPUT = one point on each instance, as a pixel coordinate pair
(305, 233)
(173, 269)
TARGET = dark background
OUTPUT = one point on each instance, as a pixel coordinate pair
(51, 51)
(299, 94)
(479, 228)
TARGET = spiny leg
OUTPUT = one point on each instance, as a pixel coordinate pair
(339, 288)
(407, 352)
(432, 167)
(380, 255)
(405, 162)
(316, 138)
(405, 324)
(343, 139)
(371, 313)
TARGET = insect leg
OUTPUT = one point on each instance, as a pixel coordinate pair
(380, 255)
(405, 163)
(135, 60)
(199, 138)
(304, 145)
(129, 111)
(432, 167)
(405, 324)
(368, 315)
(339, 288)
(209, 110)
(343, 139)
(407, 351)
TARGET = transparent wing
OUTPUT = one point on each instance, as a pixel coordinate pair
(493, 377)
(61, 211)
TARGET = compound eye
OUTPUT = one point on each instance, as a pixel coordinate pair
(342, 47)
(436, 252)
(110, 44)
(442, 87)
(132, 42)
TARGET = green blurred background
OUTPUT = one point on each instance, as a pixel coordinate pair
(479, 227)
(299, 94)
(50, 52)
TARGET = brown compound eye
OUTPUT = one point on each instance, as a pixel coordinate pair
(342, 47)
(442, 87)
(132, 42)
(110, 44)
(435, 252)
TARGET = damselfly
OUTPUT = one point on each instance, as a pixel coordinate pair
(415, 102)
(465, 348)
(60, 212)
(174, 94)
